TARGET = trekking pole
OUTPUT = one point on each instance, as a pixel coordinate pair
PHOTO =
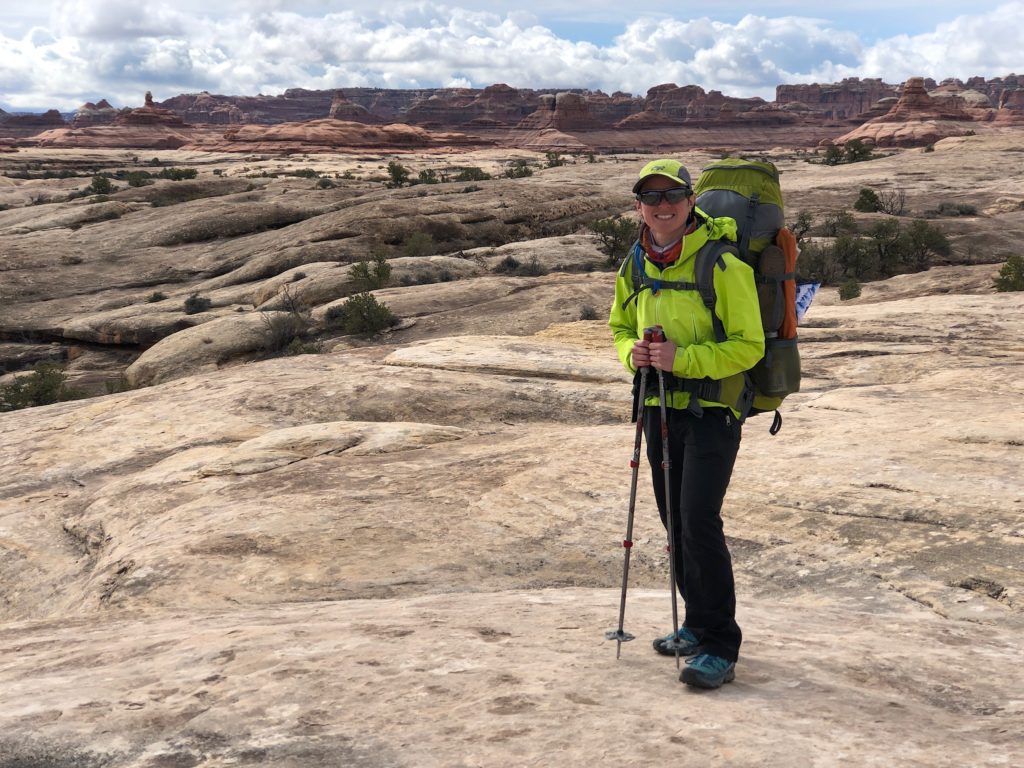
(620, 636)
(657, 335)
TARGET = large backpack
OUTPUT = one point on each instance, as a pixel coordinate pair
(749, 192)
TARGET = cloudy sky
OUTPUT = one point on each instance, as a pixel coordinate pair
(62, 53)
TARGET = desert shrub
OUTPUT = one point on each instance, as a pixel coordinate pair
(360, 313)
(507, 265)
(196, 303)
(305, 173)
(856, 151)
(418, 244)
(838, 223)
(398, 175)
(929, 148)
(849, 290)
(617, 235)
(818, 264)
(471, 188)
(893, 201)
(833, 155)
(367, 278)
(428, 176)
(518, 169)
(324, 183)
(101, 185)
(138, 178)
(178, 174)
(156, 296)
(472, 173)
(46, 384)
(946, 208)
(444, 230)
(283, 330)
(120, 384)
(1011, 275)
(886, 238)
(532, 268)
(867, 202)
(553, 160)
(587, 312)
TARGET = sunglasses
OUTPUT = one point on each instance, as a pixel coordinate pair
(673, 196)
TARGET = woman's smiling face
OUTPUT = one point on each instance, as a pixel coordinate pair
(666, 220)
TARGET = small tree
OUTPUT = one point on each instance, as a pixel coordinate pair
(101, 185)
(617, 235)
(833, 155)
(802, 225)
(839, 223)
(428, 176)
(472, 174)
(923, 241)
(867, 202)
(398, 175)
(893, 202)
(1011, 275)
(367, 279)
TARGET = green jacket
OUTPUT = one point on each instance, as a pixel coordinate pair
(687, 322)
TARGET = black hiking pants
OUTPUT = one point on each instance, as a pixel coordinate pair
(702, 453)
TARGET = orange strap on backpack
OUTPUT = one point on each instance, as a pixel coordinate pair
(786, 240)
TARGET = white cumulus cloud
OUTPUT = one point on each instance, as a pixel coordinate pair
(118, 49)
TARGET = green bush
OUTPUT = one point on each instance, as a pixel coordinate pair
(101, 185)
(156, 296)
(196, 303)
(802, 225)
(867, 202)
(1011, 275)
(178, 174)
(553, 160)
(518, 169)
(361, 313)
(324, 183)
(46, 384)
(472, 174)
(428, 176)
(617, 235)
(849, 290)
(507, 265)
(283, 331)
(418, 244)
(138, 178)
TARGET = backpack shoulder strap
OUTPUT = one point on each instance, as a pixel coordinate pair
(710, 256)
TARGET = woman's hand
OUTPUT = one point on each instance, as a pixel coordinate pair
(662, 354)
(641, 354)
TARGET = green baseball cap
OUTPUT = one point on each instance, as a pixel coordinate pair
(671, 169)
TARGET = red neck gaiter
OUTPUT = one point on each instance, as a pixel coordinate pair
(663, 257)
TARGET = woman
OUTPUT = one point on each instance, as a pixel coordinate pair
(704, 403)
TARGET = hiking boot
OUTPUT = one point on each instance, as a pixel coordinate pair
(687, 643)
(707, 671)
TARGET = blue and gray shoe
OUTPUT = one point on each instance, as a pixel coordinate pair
(708, 671)
(684, 640)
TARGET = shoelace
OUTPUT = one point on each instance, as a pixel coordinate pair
(715, 663)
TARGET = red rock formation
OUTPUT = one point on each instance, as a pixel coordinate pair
(836, 101)
(343, 109)
(331, 135)
(149, 115)
(101, 113)
(916, 120)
